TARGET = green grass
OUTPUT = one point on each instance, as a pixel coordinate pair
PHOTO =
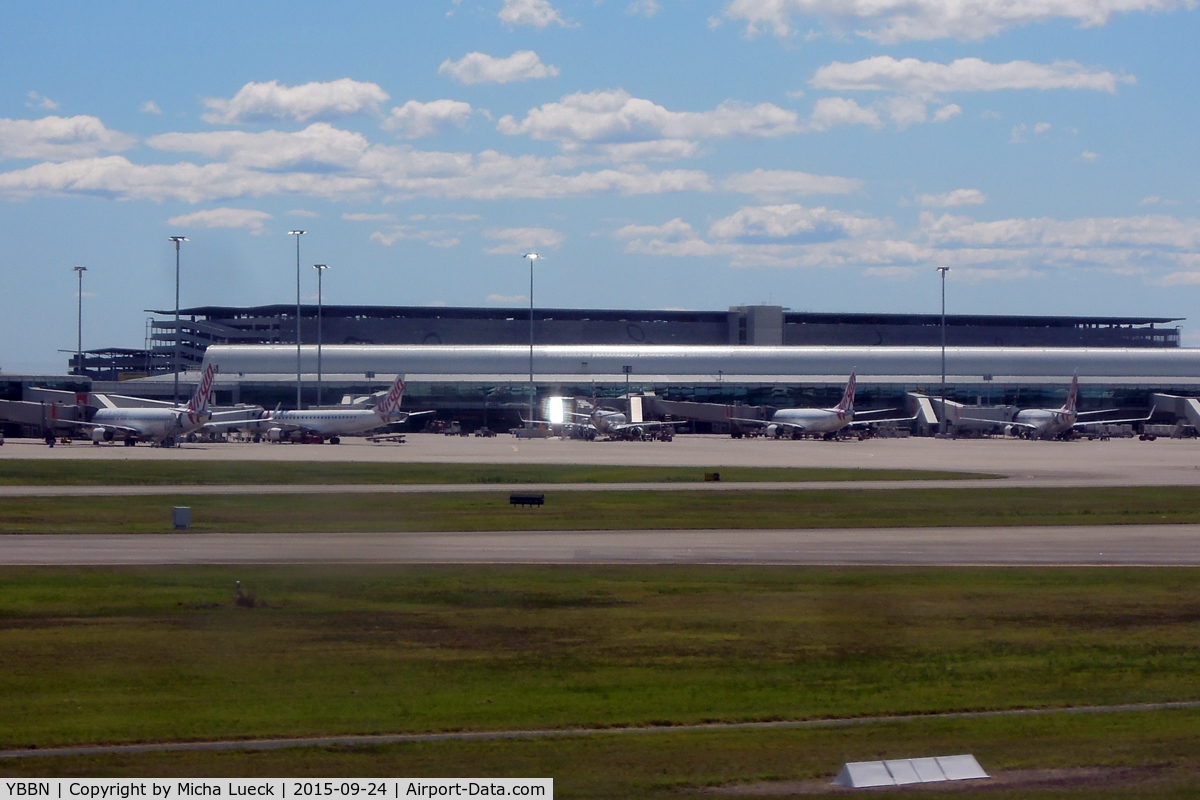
(1159, 748)
(646, 510)
(112, 655)
(38, 472)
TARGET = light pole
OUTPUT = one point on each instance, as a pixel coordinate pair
(320, 268)
(175, 362)
(942, 416)
(79, 342)
(532, 258)
(297, 234)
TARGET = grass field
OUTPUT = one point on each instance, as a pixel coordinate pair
(118, 655)
(681, 509)
(37, 472)
(1141, 755)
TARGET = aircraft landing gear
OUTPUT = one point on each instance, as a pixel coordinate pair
(335, 440)
(130, 441)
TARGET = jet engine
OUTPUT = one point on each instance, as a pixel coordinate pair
(637, 434)
(773, 431)
(275, 435)
(101, 435)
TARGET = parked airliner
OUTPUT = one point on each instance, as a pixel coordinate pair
(330, 424)
(1056, 423)
(162, 426)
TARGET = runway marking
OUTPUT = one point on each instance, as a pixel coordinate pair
(403, 738)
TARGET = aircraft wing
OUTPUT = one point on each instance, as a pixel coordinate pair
(1001, 423)
(643, 425)
(102, 425)
(858, 422)
(1146, 418)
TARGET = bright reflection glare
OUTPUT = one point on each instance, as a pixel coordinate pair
(554, 410)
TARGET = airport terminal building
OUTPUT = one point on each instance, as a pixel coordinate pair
(473, 364)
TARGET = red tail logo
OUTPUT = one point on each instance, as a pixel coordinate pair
(847, 401)
(1072, 395)
(391, 403)
(199, 402)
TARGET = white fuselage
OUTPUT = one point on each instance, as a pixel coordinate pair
(152, 423)
(813, 420)
(327, 421)
(1046, 423)
(606, 422)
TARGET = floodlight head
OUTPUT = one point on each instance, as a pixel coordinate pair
(943, 270)
(320, 266)
(80, 269)
(531, 256)
(296, 233)
(177, 239)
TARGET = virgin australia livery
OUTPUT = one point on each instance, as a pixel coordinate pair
(327, 423)
(162, 426)
(1059, 423)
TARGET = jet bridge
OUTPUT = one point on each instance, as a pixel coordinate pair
(1184, 408)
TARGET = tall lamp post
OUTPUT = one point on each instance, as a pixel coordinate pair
(942, 416)
(79, 341)
(320, 268)
(532, 258)
(297, 234)
(175, 361)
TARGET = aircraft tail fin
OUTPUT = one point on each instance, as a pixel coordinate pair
(390, 404)
(1073, 395)
(199, 402)
(847, 401)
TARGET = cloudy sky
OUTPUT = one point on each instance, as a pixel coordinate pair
(823, 155)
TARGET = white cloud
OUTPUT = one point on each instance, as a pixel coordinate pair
(398, 232)
(117, 178)
(393, 235)
(890, 273)
(359, 217)
(893, 21)
(1089, 156)
(904, 111)
(223, 218)
(830, 111)
(318, 161)
(1007, 249)
(320, 146)
(264, 102)
(59, 138)
(792, 223)
(479, 67)
(415, 120)
(40, 101)
(1189, 278)
(616, 117)
(1041, 127)
(958, 197)
(508, 298)
(514, 241)
(1151, 231)
(946, 113)
(646, 7)
(537, 13)
(151, 107)
(300, 212)
(927, 78)
(779, 184)
(1018, 133)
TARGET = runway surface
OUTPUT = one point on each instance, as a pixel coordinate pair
(443, 488)
(1106, 545)
(1119, 462)
(364, 740)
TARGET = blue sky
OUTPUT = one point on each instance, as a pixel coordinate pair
(823, 155)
